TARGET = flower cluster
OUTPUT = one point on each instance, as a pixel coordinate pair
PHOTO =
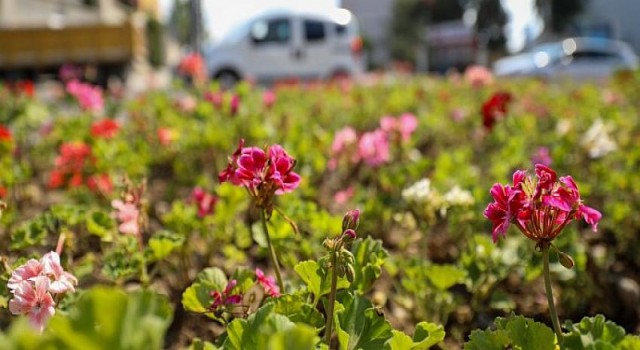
(495, 108)
(372, 147)
(206, 202)
(166, 136)
(34, 286)
(225, 298)
(542, 156)
(264, 172)
(88, 97)
(193, 67)
(597, 141)
(5, 134)
(70, 164)
(268, 283)
(106, 128)
(429, 202)
(539, 207)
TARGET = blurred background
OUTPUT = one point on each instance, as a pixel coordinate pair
(147, 41)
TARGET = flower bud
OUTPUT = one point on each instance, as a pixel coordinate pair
(566, 260)
(351, 220)
(350, 234)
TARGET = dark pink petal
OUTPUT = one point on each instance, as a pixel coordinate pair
(590, 216)
(518, 177)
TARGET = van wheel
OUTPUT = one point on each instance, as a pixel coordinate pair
(227, 78)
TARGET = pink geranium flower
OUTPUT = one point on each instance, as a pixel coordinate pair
(32, 298)
(373, 148)
(542, 156)
(61, 281)
(128, 215)
(33, 286)
(478, 76)
(88, 97)
(206, 202)
(268, 98)
(264, 172)
(225, 298)
(539, 207)
(404, 126)
(268, 283)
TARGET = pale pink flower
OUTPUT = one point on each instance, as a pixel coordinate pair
(29, 270)
(62, 281)
(268, 98)
(404, 126)
(373, 148)
(127, 214)
(343, 139)
(478, 76)
(32, 298)
(343, 196)
(268, 283)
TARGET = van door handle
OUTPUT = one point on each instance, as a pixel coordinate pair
(298, 54)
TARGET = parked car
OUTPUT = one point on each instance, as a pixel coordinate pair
(288, 44)
(578, 58)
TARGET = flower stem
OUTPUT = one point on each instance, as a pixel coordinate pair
(272, 252)
(549, 291)
(332, 298)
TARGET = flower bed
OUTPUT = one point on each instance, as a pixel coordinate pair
(208, 218)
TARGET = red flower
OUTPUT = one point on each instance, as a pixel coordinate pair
(3, 191)
(106, 128)
(100, 183)
(5, 134)
(225, 297)
(495, 108)
(71, 162)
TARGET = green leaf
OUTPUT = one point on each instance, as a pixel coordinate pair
(316, 279)
(427, 334)
(296, 308)
(106, 318)
(300, 337)
(593, 333)
(444, 277)
(163, 243)
(100, 224)
(517, 332)
(359, 326)
(256, 330)
(369, 257)
(197, 297)
(199, 344)
(630, 342)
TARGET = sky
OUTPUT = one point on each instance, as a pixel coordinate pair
(222, 15)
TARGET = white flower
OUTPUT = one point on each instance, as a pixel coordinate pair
(458, 196)
(597, 140)
(419, 192)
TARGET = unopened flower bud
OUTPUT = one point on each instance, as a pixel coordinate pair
(351, 220)
(350, 234)
(566, 260)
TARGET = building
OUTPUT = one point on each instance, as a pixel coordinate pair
(615, 19)
(374, 17)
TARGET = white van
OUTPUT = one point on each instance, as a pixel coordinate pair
(288, 44)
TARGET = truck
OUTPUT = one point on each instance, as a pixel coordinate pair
(102, 35)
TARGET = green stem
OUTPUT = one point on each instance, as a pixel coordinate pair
(332, 299)
(272, 252)
(549, 291)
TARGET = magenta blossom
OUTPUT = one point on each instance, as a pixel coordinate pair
(540, 207)
(268, 283)
(263, 172)
(225, 298)
(269, 98)
(206, 202)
